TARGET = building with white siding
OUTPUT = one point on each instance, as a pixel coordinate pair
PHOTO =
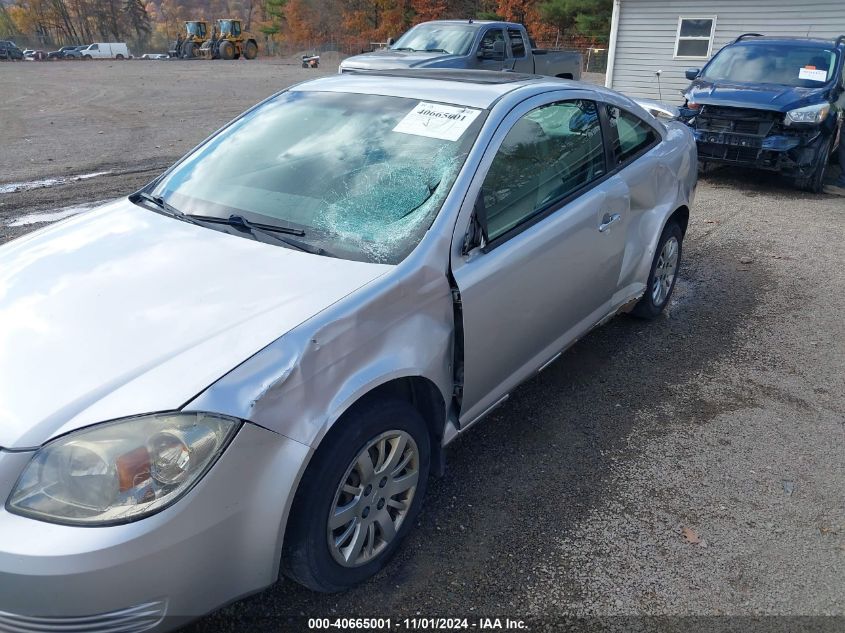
(670, 36)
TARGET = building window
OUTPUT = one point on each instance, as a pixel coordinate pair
(695, 37)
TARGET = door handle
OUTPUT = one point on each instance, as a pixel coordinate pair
(607, 220)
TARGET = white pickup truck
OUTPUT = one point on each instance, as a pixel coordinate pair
(469, 44)
(105, 50)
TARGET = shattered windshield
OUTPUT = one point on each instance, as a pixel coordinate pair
(454, 39)
(796, 66)
(360, 176)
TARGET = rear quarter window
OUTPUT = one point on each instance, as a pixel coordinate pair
(629, 134)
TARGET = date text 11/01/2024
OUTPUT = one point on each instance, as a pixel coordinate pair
(417, 624)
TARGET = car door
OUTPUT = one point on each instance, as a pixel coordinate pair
(485, 56)
(550, 267)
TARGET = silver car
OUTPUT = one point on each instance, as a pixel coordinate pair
(253, 364)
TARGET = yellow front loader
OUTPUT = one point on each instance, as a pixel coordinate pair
(229, 41)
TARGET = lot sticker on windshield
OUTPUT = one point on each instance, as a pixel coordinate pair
(812, 73)
(437, 121)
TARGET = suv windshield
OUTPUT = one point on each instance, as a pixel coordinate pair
(797, 66)
(363, 176)
(455, 39)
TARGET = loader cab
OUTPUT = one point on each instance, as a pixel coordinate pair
(196, 29)
(229, 28)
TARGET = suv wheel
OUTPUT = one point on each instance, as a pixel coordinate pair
(815, 181)
(663, 274)
(359, 497)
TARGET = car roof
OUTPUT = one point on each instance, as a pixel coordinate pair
(473, 88)
(786, 41)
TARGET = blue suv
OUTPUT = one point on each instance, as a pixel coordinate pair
(770, 103)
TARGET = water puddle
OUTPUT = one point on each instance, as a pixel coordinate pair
(53, 216)
(14, 187)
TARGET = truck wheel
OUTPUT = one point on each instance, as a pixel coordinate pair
(359, 496)
(814, 183)
(227, 50)
(118, 56)
(251, 50)
(87, 57)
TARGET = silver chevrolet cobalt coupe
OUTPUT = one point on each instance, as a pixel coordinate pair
(252, 365)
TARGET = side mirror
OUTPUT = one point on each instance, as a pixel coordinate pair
(476, 236)
(390, 42)
(692, 73)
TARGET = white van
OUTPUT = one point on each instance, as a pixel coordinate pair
(106, 50)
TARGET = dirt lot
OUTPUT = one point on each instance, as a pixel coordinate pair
(692, 466)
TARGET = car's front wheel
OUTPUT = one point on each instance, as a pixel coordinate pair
(359, 496)
(814, 181)
(663, 274)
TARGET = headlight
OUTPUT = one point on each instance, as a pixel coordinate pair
(120, 471)
(809, 114)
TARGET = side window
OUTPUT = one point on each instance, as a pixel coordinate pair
(94, 47)
(493, 35)
(548, 154)
(517, 43)
(629, 134)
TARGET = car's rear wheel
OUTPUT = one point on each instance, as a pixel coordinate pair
(663, 274)
(359, 497)
(814, 182)
(118, 56)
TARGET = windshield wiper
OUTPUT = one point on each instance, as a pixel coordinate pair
(435, 50)
(431, 190)
(276, 232)
(163, 206)
(403, 49)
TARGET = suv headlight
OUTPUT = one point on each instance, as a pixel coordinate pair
(120, 471)
(810, 114)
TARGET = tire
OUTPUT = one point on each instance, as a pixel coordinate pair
(659, 288)
(118, 56)
(814, 183)
(307, 555)
(251, 50)
(190, 49)
(87, 58)
(227, 50)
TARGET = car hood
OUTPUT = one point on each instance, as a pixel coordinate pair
(389, 60)
(772, 97)
(123, 311)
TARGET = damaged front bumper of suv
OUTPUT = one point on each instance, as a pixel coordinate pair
(755, 138)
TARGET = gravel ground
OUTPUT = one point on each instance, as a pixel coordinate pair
(692, 466)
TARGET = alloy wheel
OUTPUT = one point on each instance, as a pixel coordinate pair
(665, 271)
(373, 498)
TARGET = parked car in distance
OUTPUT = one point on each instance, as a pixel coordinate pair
(155, 56)
(9, 51)
(76, 52)
(770, 103)
(105, 50)
(249, 369)
(61, 53)
(469, 44)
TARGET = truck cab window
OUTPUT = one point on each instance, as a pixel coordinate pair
(517, 43)
(491, 36)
